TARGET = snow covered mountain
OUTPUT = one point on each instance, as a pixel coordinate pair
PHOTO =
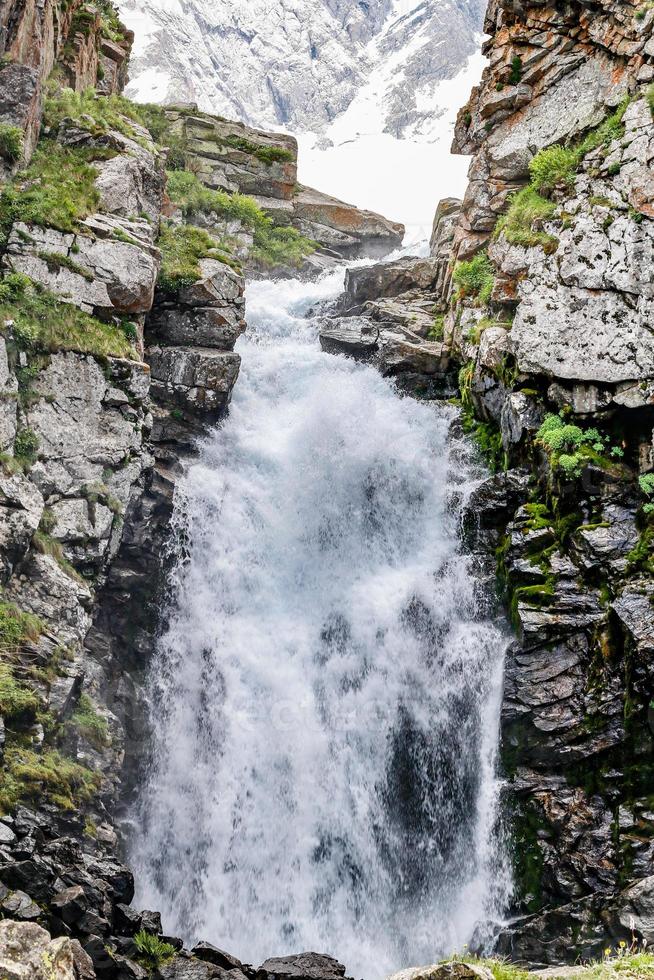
(369, 87)
(298, 63)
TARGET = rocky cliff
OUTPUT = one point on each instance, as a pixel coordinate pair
(546, 287)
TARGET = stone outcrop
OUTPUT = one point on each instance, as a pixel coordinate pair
(34, 37)
(233, 157)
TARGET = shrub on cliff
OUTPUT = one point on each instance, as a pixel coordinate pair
(554, 166)
(475, 278)
(11, 142)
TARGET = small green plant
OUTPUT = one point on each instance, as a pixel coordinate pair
(437, 331)
(646, 483)
(26, 446)
(87, 722)
(571, 448)
(554, 166)
(650, 98)
(47, 545)
(11, 143)
(521, 224)
(475, 278)
(516, 71)
(153, 950)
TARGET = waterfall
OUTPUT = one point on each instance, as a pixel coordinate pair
(326, 693)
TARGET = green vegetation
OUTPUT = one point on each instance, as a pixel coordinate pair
(267, 154)
(17, 701)
(47, 545)
(56, 261)
(650, 98)
(553, 166)
(528, 210)
(87, 722)
(46, 776)
(437, 331)
(570, 448)
(154, 951)
(41, 322)
(57, 190)
(475, 278)
(26, 447)
(97, 113)
(11, 143)
(272, 245)
(646, 484)
(182, 249)
(516, 71)
(621, 964)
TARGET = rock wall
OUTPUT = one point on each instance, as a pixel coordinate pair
(545, 272)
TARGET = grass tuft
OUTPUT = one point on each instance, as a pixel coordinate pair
(41, 322)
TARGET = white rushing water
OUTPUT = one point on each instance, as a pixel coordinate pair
(326, 694)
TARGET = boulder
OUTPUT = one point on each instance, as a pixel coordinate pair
(387, 279)
(98, 275)
(635, 911)
(374, 235)
(445, 971)
(356, 335)
(304, 966)
(28, 953)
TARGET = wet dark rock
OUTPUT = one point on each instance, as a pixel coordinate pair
(211, 954)
(304, 966)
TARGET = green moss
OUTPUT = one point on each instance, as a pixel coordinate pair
(56, 261)
(182, 249)
(11, 143)
(46, 776)
(475, 278)
(41, 322)
(266, 154)
(87, 722)
(18, 703)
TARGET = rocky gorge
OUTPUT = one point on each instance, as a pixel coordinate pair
(533, 308)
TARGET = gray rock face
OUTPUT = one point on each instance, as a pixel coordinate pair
(200, 380)
(387, 279)
(305, 966)
(99, 276)
(27, 952)
(210, 313)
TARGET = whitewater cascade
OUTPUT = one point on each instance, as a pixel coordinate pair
(326, 694)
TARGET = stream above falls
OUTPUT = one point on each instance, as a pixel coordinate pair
(326, 694)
